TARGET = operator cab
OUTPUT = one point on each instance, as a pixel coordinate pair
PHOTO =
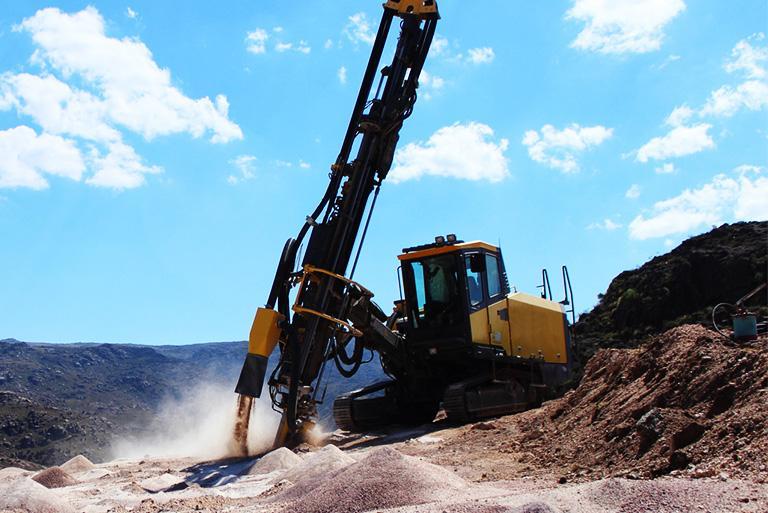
(445, 282)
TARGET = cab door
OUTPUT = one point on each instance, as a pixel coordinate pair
(477, 297)
(498, 307)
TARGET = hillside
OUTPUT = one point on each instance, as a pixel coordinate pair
(60, 400)
(679, 287)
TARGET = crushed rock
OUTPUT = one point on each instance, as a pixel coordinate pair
(278, 460)
(160, 483)
(54, 477)
(384, 479)
(31, 497)
(77, 464)
(688, 402)
(316, 465)
(9, 473)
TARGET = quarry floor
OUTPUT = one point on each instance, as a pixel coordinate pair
(421, 470)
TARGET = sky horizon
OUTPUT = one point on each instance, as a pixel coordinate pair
(154, 160)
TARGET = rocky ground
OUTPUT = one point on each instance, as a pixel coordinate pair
(676, 425)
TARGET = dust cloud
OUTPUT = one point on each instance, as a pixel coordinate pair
(200, 424)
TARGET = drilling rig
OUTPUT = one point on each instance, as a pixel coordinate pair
(457, 337)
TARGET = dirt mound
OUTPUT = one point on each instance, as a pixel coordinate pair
(679, 287)
(78, 464)
(281, 458)
(384, 479)
(54, 477)
(315, 466)
(29, 496)
(688, 400)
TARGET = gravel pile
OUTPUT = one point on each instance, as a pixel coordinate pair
(277, 460)
(77, 464)
(54, 477)
(687, 401)
(315, 466)
(384, 479)
(31, 497)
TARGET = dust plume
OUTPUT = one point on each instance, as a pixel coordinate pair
(200, 424)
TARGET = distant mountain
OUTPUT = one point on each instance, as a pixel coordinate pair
(60, 400)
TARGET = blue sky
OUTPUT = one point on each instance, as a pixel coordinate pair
(153, 159)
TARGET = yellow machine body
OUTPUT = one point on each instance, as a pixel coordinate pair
(525, 326)
(264, 336)
(265, 332)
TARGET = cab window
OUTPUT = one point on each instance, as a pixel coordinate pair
(494, 277)
(475, 275)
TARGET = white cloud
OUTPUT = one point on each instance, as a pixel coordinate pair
(121, 168)
(752, 94)
(429, 83)
(605, 224)
(464, 151)
(680, 141)
(138, 93)
(328, 44)
(439, 46)
(342, 74)
(739, 196)
(666, 168)
(666, 62)
(679, 116)
(58, 108)
(622, 26)
(246, 167)
(256, 41)
(358, 29)
(633, 192)
(25, 157)
(748, 58)
(304, 165)
(727, 100)
(131, 13)
(482, 55)
(93, 88)
(558, 148)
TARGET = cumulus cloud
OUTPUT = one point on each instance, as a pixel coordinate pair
(429, 84)
(679, 116)
(342, 74)
(738, 196)
(605, 224)
(466, 151)
(93, 87)
(359, 30)
(558, 149)
(131, 13)
(256, 41)
(26, 157)
(666, 168)
(120, 167)
(482, 55)
(138, 92)
(633, 192)
(679, 142)
(727, 100)
(622, 26)
(246, 167)
(747, 58)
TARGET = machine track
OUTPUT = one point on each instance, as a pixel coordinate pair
(481, 397)
(355, 412)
